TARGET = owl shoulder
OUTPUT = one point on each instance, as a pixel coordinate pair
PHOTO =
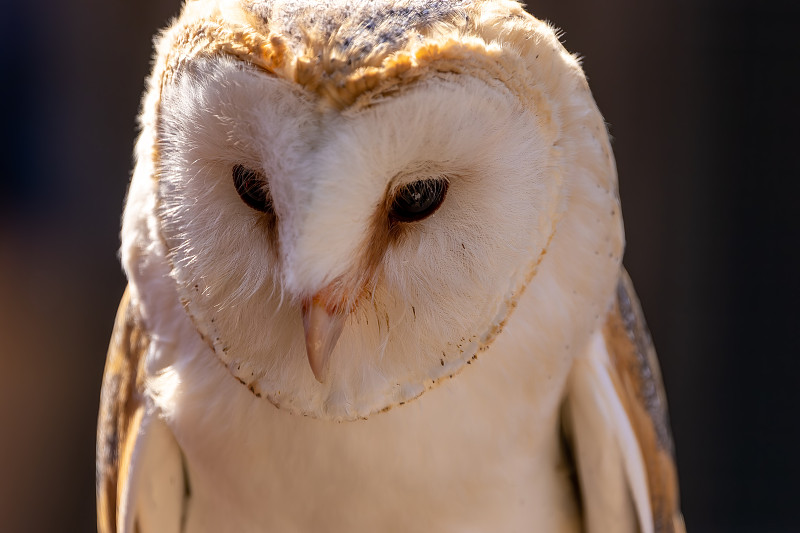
(141, 483)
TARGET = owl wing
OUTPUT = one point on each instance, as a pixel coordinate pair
(617, 425)
(141, 483)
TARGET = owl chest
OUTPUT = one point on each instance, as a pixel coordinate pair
(476, 454)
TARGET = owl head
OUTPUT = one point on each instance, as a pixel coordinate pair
(349, 198)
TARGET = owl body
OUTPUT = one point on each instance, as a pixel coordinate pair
(435, 464)
(374, 261)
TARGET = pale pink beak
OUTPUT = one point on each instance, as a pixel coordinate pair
(323, 324)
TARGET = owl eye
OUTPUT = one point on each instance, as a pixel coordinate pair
(417, 200)
(252, 188)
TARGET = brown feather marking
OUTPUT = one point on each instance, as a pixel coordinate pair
(458, 45)
(121, 410)
(638, 382)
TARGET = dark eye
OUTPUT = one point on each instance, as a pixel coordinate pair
(417, 200)
(252, 188)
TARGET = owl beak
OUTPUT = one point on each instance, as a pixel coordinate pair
(323, 325)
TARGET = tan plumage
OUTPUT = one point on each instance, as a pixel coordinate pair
(120, 411)
(638, 383)
(271, 266)
(120, 426)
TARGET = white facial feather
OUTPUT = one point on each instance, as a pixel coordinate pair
(523, 176)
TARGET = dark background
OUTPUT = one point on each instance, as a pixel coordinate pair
(702, 101)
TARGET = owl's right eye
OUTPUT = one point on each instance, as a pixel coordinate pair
(417, 200)
(252, 188)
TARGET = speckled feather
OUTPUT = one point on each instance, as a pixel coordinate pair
(638, 382)
(356, 30)
(120, 411)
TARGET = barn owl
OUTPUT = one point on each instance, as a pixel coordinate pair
(375, 284)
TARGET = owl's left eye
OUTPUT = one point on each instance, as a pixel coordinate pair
(252, 188)
(417, 200)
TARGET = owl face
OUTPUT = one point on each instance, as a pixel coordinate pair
(392, 231)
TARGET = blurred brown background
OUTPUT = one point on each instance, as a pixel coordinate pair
(702, 100)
